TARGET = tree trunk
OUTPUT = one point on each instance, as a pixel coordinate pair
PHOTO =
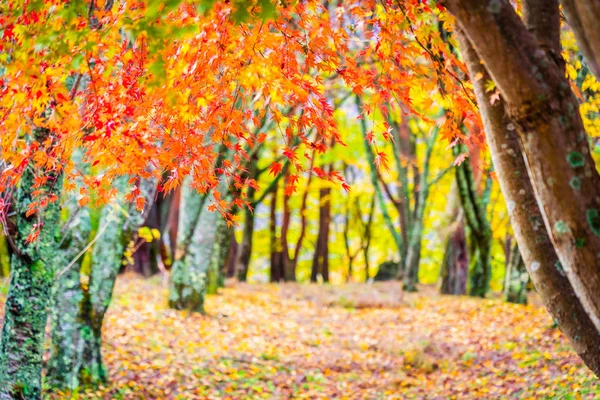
(195, 241)
(320, 264)
(230, 262)
(145, 258)
(32, 274)
(221, 241)
(276, 266)
(117, 226)
(455, 266)
(244, 253)
(474, 207)
(68, 297)
(515, 287)
(528, 224)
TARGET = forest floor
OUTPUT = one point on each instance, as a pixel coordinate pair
(350, 342)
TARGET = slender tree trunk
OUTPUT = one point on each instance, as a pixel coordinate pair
(474, 207)
(527, 221)
(321, 257)
(515, 287)
(32, 274)
(220, 248)
(119, 222)
(244, 253)
(229, 268)
(455, 266)
(145, 258)
(277, 269)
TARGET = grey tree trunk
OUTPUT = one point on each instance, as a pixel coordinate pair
(203, 243)
(68, 297)
(189, 271)
(83, 309)
(221, 242)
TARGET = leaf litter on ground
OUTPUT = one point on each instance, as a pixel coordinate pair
(356, 341)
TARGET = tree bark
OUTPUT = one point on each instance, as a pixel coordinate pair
(474, 207)
(195, 242)
(527, 221)
(276, 266)
(320, 265)
(119, 222)
(68, 297)
(515, 287)
(220, 248)
(32, 274)
(455, 266)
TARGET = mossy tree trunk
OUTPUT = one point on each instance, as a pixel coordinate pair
(516, 279)
(32, 274)
(474, 206)
(220, 248)
(194, 240)
(203, 243)
(68, 297)
(83, 300)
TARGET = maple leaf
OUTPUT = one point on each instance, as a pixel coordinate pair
(275, 168)
(290, 154)
(140, 202)
(382, 161)
(35, 233)
(370, 137)
(320, 173)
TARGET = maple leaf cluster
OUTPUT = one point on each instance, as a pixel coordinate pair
(166, 89)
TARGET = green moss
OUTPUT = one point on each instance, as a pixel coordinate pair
(576, 159)
(593, 219)
(561, 227)
(575, 183)
(559, 268)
